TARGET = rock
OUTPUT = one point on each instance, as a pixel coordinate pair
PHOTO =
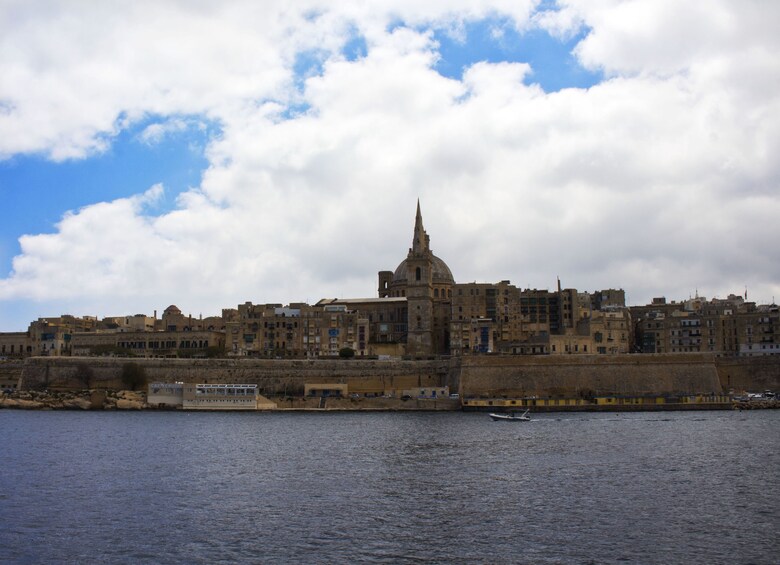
(132, 395)
(124, 404)
(77, 404)
(21, 403)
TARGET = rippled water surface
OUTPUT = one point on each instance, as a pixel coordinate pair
(164, 487)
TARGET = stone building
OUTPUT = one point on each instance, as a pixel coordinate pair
(185, 343)
(384, 320)
(174, 321)
(485, 317)
(135, 323)
(420, 311)
(611, 330)
(297, 330)
(14, 345)
(729, 327)
(426, 282)
(52, 336)
(500, 318)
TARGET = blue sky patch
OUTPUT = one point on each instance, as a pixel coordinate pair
(307, 64)
(356, 48)
(38, 191)
(496, 40)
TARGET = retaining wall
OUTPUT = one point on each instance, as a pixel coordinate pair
(273, 377)
(589, 375)
(751, 374)
(511, 376)
(10, 374)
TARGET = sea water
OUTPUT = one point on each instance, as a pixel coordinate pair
(183, 487)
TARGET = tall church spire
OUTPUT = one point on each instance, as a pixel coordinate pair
(420, 241)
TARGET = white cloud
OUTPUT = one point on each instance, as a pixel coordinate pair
(154, 133)
(661, 179)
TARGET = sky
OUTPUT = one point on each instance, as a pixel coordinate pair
(207, 154)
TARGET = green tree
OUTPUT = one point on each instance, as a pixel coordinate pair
(346, 353)
(133, 376)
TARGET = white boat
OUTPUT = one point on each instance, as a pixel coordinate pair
(511, 417)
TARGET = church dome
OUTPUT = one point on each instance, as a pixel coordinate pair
(441, 272)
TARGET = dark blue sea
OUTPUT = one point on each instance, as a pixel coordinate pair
(179, 487)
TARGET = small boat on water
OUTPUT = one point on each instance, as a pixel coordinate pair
(511, 417)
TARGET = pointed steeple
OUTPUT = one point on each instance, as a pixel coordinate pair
(420, 241)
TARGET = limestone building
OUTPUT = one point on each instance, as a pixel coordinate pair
(15, 345)
(419, 311)
(426, 282)
(296, 330)
(185, 343)
(730, 326)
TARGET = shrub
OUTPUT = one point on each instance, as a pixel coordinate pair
(346, 353)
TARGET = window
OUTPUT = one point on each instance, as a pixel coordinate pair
(418, 273)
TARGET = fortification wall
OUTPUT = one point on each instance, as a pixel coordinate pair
(589, 375)
(272, 376)
(511, 376)
(10, 373)
(751, 374)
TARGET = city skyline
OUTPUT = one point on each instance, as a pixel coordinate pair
(162, 154)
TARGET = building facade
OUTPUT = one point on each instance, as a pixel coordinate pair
(426, 282)
(420, 311)
(728, 327)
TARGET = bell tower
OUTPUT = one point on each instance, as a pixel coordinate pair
(419, 292)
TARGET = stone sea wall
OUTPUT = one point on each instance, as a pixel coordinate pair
(511, 376)
(589, 375)
(753, 374)
(273, 377)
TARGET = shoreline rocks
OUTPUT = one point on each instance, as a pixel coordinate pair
(753, 404)
(74, 400)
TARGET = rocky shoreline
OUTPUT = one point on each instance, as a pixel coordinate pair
(75, 400)
(753, 404)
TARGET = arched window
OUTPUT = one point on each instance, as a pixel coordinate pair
(418, 273)
(436, 293)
